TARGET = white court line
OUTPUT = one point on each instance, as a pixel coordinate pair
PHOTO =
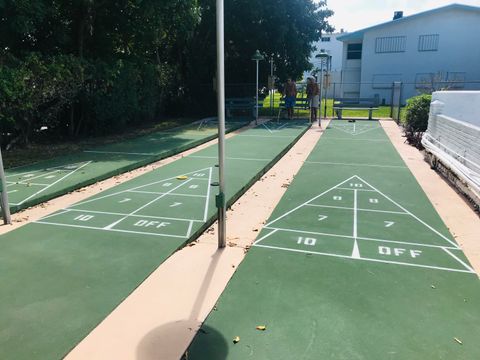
(36, 171)
(103, 229)
(22, 183)
(359, 209)
(189, 230)
(354, 133)
(269, 136)
(228, 158)
(159, 193)
(351, 164)
(147, 204)
(355, 251)
(138, 187)
(352, 189)
(55, 182)
(121, 214)
(265, 236)
(266, 127)
(27, 180)
(306, 202)
(207, 199)
(366, 259)
(63, 211)
(350, 139)
(118, 152)
(417, 218)
(363, 238)
(458, 259)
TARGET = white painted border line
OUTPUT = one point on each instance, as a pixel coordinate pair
(416, 217)
(268, 136)
(63, 211)
(265, 236)
(60, 167)
(207, 199)
(55, 182)
(147, 204)
(350, 139)
(9, 183)
(306, 202)
(228, 158)
(367, 259)
(139, 187)
(363, 238)
(359, 209)
(352, 164)
(458, 259)
(118, 152)
(352, 189)
(159, 193)
(113, 230)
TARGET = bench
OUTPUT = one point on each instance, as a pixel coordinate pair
(239, 105)
(341, 104)
(300, 104)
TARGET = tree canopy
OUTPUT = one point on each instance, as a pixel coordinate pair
(81, 67)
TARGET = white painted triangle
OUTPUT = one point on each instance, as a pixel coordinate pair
(356, 251)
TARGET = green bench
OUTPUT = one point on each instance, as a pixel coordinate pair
(239, 105)
(341, 104)
(300, 104)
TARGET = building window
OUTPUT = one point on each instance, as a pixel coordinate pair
(391, 44)
(428, 42)
(354, 51)
(326, 39)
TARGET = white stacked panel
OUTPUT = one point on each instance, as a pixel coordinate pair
(453, 134)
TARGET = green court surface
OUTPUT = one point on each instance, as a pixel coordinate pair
(32, 184)
(60, 276)
(354, 263)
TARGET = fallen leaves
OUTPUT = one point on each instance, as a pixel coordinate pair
(458, 340)
(236, 339)
(261, 327)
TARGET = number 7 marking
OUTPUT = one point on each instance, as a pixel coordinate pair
(322, 217)
(389, 223)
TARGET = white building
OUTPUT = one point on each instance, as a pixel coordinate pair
(439, 46)
(332, 46)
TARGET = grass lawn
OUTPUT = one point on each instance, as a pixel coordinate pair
(382, 112)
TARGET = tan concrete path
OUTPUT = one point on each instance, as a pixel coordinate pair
(159, 320)
(460, 218)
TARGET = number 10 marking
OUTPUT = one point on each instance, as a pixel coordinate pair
(306, 241)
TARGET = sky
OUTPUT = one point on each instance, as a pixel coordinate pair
(353, 15)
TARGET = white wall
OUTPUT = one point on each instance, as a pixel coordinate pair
(460, 105)
(458, 51)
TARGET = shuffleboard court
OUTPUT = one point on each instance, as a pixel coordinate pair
(354, 263)
(63, 274)
(32, 184)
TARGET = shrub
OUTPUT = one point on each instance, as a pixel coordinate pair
(416, 118)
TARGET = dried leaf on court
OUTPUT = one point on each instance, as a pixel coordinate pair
(261, 327)
(458, 340)
(236, 339)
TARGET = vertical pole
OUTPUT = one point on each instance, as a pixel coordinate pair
(321, 86)
(256, 97)
(271, 91)
(4, 194)
(220, 198)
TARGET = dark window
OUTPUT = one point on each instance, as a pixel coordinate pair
(354, 51)
(326, 39)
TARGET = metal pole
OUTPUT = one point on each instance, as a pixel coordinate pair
(321, 85)
(256, 105)
(220, 198)
(4, 200)
(271, 91)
